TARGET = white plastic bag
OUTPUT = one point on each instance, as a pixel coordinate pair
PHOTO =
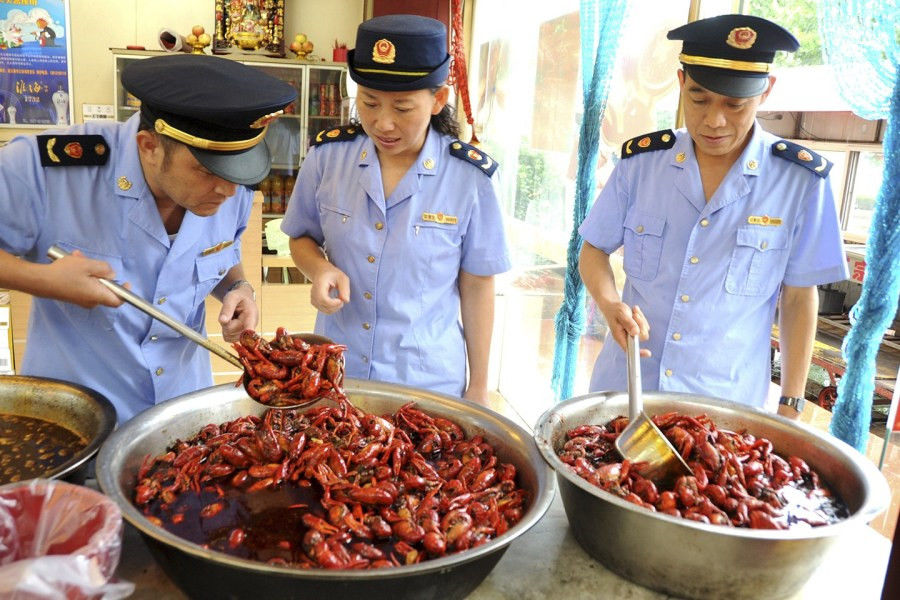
(59, 540)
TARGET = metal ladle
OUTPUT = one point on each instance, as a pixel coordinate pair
(642, 441)
(55, 253)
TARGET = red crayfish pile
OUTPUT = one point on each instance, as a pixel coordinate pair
(288, 369)
(737, 478)
(333, 487)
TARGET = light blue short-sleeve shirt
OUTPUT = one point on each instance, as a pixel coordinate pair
(402, 254)
(108, 213)
(707, 275)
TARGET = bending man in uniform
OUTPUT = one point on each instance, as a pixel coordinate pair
(721, 223)
(157, 202)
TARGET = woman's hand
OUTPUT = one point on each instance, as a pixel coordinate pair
(330, 290)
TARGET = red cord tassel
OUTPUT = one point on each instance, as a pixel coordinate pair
(459, 77)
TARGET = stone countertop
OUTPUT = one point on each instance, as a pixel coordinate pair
(547, 562)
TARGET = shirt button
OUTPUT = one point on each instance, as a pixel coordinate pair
(694, 260)
(371, 258)
(365, 359)
(159, 371)
(161, 300)
(676, 336)
(221, 272)
(639, 229)
(153, 338)
(367, 296)
(366, 326)
(704, 222)
(685, 298)
(379, 225)
(668, 372)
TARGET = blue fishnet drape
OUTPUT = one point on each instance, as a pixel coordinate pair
(861, 43)
(601, 23)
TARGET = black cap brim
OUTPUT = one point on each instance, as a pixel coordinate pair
(397, 83)
(726, 82)
(244, 168)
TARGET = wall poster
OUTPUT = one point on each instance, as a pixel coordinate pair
(35, 65)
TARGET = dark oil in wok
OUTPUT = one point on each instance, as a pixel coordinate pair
(30, 447)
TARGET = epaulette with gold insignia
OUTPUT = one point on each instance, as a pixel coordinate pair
(69, 150)
(336, 134)
(658, 140)
(470, 153)
(816, 163)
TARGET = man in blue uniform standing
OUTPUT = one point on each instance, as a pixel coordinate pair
(157, 202)
(721, 223)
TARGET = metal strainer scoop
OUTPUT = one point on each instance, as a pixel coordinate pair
(642, 441)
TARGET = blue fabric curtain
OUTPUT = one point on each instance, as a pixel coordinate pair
(861, 43)
(601, 24)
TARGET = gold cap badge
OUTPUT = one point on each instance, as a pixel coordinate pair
(383, 52)
(741, 38)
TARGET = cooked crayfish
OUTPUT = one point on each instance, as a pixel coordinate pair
(737, 479)
(362, 494)
(286, 370)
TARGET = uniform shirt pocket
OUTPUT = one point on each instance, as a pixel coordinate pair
(643, 244)
(337, 224)
(757, 262)
(209, 271)
(438, 250)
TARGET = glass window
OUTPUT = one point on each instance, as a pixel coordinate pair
(867, 183)
(527, 104)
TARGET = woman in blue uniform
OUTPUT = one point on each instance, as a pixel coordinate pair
(396, 222)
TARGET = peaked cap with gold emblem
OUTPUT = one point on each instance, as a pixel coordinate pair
(802, 156)
(336, 134)
(218, 107)
(731, 54)
(658, 140)
(72, 150)
(397, 53)
(471, 154)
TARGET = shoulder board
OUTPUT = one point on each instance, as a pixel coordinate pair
(471, 154)
(336, 134)
(804, 157)
(658, 140)
(71, 150)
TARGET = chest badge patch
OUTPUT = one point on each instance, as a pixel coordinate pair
(764, 220)
(440, 218)
(217, 248)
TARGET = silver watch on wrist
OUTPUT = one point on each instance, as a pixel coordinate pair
(238, 284)
(793, 402)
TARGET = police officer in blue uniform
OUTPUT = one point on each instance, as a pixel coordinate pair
(396, 222)
(721, 223)
(157, 202)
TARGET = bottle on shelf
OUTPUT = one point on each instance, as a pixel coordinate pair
(277, 194)
(265, 187)
(314, 105)
(288, 189)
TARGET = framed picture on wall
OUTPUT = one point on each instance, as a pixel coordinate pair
(249, 27)
(35, 64)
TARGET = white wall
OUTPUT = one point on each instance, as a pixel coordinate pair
(98, 25)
